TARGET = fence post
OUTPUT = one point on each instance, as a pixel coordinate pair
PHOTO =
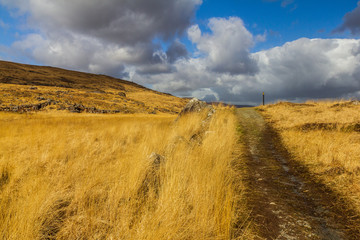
(263, 98)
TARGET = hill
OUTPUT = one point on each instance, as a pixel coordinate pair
(28, 88)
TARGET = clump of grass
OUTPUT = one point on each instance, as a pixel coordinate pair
(325, 137)
(88, 176)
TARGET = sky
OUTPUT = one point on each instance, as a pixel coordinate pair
(229, 50)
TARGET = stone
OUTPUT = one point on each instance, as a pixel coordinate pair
(77, 108)
(156, 160)
(194, 105)
(122, 94)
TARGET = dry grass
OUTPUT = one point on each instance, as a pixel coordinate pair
(69, 176)
(22, 84)
(325, 136)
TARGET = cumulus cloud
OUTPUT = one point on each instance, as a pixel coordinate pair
(351, 21)
(310, 68)
(298, 70)
(305, 68)
(105, 36)
(123, 38)
(175, 51)
(227, 48)
(119, 21)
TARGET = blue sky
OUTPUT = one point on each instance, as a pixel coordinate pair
(282, 21)
(229, 50)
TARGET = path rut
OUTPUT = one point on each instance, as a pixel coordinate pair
(285, 202)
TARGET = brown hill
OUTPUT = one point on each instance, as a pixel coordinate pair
(26, 88)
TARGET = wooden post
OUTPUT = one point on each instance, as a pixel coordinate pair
(263, 98)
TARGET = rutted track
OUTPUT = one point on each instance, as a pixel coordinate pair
(286, 201)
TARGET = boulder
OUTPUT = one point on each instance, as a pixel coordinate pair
(195, 105)
(77, 108)
(122, 94)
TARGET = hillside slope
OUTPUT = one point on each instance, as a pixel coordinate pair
(27, 88)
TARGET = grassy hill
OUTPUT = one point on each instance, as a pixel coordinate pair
(27, 88)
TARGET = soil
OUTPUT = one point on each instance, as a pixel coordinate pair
(286, 201)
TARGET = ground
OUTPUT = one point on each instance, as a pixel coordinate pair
(286, 202)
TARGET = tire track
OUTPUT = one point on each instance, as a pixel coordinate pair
(286, 201)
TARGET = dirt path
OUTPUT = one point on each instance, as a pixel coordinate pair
(286, 202)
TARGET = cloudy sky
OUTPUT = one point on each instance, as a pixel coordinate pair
(229, 50)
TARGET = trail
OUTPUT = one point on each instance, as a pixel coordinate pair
(285, 201)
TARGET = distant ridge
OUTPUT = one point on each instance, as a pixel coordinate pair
(28, 88)
(229, 104)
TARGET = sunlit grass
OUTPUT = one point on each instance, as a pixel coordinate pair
(326, 137)
(69, 176)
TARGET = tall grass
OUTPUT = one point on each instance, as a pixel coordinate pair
(325, 136)
(72, 176)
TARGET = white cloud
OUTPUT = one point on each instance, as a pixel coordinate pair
(206, 94)
(298, 70)
(117, 21)
(261, 37)
(116, 37)
(227, 48)
(105, 36)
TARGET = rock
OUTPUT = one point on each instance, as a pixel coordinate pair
(156, 160)
(33, 88)
(194, 105)
(77, 108)
(99, 91)
(122, 94)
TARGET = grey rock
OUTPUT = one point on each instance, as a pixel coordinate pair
(194, 105)
(122, 94)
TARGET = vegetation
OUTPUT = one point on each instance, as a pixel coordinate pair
(89, 176)
(325, 136)
(25, 88)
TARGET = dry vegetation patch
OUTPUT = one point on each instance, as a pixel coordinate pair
(325, 137)
(27, 88)
(70, 176)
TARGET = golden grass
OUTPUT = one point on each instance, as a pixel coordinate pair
(69, 176)
(325, 136)
(22, 84)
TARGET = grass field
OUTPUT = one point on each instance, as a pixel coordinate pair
(88, 176)
(325, 136)
(23, 86)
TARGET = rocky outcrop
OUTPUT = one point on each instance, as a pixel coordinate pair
(122, 94)
(27, 107)
(194, 105)
(75, 108)
(197, 106)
